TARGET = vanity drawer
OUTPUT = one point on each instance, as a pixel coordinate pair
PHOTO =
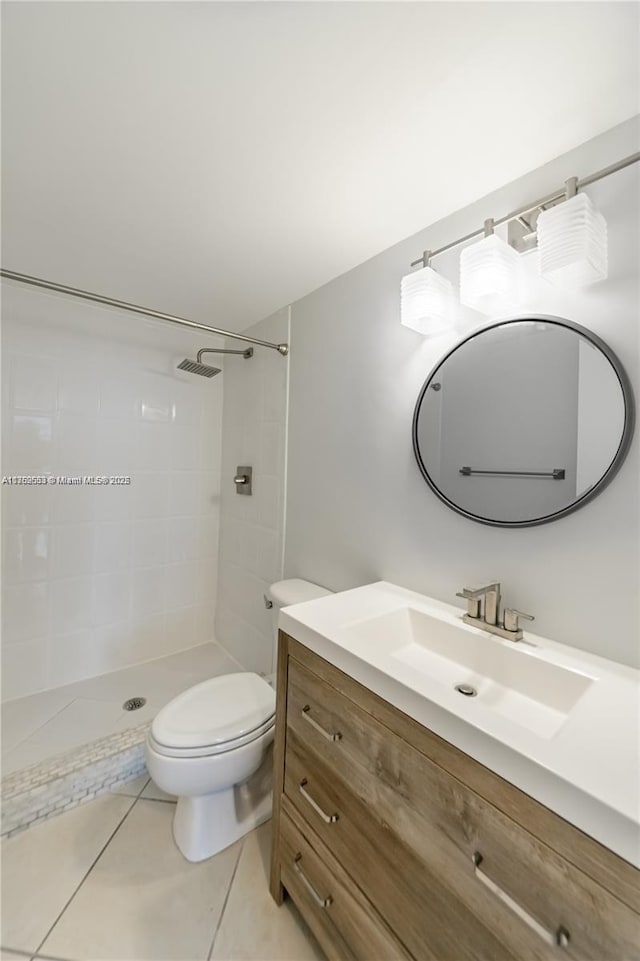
(341, 918)
(519, 886)
(431, 919)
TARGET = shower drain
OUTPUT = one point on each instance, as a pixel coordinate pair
(134, 703)
(466, 689)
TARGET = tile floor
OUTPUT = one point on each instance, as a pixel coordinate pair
(105, 882)
(37, 727)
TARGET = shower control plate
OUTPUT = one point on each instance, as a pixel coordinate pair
(243, 480)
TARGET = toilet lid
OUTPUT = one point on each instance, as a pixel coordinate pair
(209, 750)
(218, 710)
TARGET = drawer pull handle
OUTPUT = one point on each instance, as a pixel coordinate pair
(330, 737)
(559, 938)
(327, 818)
(321, 902)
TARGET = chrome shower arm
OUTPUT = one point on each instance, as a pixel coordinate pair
(219, 350)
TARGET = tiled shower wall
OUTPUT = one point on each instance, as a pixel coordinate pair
(251, 534)
(96, 578)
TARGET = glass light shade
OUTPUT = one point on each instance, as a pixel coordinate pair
(490, 275)
(426, 302)
(572, 243)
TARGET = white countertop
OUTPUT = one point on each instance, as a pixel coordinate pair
(588, 772)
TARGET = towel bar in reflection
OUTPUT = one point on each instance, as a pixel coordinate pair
(557, 473)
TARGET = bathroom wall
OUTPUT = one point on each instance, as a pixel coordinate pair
(358, 509)
(96, 578)
(254, 434)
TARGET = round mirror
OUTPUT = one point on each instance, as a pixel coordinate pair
(523, 421)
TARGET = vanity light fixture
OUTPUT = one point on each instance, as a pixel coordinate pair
(426, 300)
(572, 241)
(490, 279)
(571, 235)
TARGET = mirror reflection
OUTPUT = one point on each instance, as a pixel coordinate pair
(523, 421)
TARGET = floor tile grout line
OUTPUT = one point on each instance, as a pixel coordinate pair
(48, 957)
(226, 900)
(92, 700)
(30, 956)
(144, 786)
(88, 872)
(136, 796)
(69, 747)
(139, 797)
(39, 728)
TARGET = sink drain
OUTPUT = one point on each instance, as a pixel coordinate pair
(466, 689)
(134, 703)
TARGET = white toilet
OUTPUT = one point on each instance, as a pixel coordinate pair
(211, 747)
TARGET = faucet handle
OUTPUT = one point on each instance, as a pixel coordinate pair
(512, 618)
(472, 599)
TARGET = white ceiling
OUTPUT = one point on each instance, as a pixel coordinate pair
(219, 160)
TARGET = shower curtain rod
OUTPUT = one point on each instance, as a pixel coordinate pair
(122, 305)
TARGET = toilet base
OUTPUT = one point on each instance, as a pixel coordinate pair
(205, 825)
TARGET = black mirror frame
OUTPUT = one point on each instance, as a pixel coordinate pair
(616, 463)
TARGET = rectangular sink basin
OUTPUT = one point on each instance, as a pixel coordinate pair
(507, 678)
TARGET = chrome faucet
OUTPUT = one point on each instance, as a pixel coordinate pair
(490, 620)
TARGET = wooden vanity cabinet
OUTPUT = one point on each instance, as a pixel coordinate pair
(394, 844)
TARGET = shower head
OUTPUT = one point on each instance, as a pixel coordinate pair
(195, 367)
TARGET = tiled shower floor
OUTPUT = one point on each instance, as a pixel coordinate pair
(38, 727)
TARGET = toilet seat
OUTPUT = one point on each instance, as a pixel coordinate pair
(215, 716)
(209, 750)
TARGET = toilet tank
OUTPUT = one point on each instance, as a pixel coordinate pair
(292, 591)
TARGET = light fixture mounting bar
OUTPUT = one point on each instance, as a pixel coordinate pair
(550, 200)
